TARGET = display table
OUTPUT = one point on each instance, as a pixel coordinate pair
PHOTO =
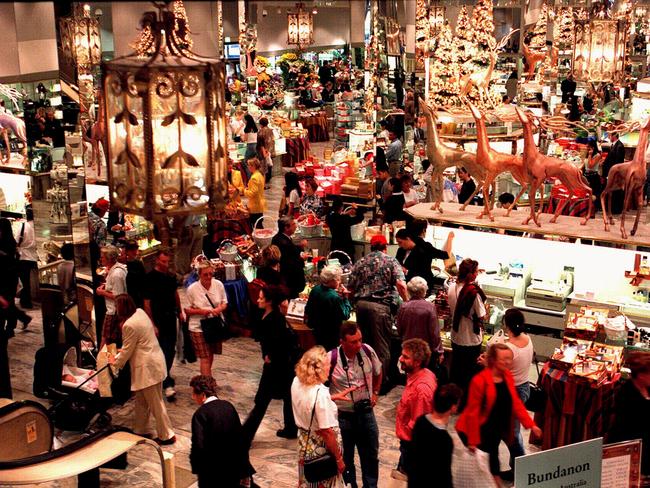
(237, 293)
(316, 125)
(575, 411)
(297, 150)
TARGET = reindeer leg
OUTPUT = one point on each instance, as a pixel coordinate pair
(536, 215)
(639, 206)
(486, 198)
(466, 203)
(558, 210)
(626, 205)
(603, 204)
(5, 134)
(589, 210)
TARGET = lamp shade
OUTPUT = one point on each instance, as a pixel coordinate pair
(166, 128)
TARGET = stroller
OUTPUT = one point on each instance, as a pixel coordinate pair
(64, 372)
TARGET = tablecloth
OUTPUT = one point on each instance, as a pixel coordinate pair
(316, 125)
(297, 150)
(237, 293)
(575, 411)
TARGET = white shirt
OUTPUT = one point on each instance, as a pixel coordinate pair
(294, 198)
(250, 137)
(522, 358)
(237, 127)
(465, 335)
(116, 284)
(411, 196)
(303, 398)
(26, 248)
(196, 296)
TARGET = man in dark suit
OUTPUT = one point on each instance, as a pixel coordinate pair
(615, 155)
(218, 455)
(291, 262)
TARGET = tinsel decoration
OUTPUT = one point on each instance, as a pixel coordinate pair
(248, 38)
(421, 33)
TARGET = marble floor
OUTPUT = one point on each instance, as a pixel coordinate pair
(237, 372)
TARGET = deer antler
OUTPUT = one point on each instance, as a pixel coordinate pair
(629, 126)
(558, 123)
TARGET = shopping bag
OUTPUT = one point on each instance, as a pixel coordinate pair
(499, 337)
(470, 469)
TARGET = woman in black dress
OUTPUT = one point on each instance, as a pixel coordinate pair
(280, 351)
(340, 223)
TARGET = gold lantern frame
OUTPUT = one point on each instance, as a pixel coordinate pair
(300, 27)
(600, 50)
(165, 127)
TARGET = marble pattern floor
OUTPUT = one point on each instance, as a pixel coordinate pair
(237, 371)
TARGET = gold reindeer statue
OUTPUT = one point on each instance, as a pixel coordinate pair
(539, 167)
(495, 163)
(630, 177)
(481, 78)
(442, 157)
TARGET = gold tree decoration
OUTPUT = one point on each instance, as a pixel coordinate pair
(422, 33)
(444, 71)
(564, 28)
(483, 32)
(537, 40)
(464, 38)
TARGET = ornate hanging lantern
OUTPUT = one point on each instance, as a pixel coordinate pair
(600, 47)
(165, 126)
(300, 27)
(80, 38)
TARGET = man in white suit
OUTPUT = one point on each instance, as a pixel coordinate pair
(148, 370)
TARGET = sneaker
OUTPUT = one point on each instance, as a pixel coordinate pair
(396, 474)
(167, 442)
(170, 392)
(287, 434)
(27, 321)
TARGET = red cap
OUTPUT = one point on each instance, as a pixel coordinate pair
(102, 204)
(378, 240)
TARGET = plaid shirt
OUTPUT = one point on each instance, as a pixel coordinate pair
(375, 277)
(97, 229)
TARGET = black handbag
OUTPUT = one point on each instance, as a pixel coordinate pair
(214, 328)
(537, 399)
(322, 467)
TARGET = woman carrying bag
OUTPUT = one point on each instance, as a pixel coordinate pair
(320, 458)
(207, 299)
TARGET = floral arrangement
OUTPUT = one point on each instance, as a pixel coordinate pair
(291, 66)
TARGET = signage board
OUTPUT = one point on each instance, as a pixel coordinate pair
(573, 466)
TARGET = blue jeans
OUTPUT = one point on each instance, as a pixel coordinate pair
(517, 447)
(360, 430)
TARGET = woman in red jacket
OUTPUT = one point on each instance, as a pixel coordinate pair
(492, 405)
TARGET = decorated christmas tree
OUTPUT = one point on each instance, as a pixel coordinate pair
(537, 38)
(565, 28)
(464, 38)
(444, 70)
(483, 32)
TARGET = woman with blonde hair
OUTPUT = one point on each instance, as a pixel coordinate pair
(316, 416)
(207, 298)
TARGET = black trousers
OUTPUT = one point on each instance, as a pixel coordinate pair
(265, 393)
(25, 275)
(463, 367)
(167, 341)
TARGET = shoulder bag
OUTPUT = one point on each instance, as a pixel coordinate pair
(214, 328)
(322, 467)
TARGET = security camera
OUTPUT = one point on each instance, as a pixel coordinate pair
(264, 13)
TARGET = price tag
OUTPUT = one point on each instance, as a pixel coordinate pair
(30, 431)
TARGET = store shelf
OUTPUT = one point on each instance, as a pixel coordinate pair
(566, 226)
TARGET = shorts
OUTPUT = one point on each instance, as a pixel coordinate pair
(203, 349)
